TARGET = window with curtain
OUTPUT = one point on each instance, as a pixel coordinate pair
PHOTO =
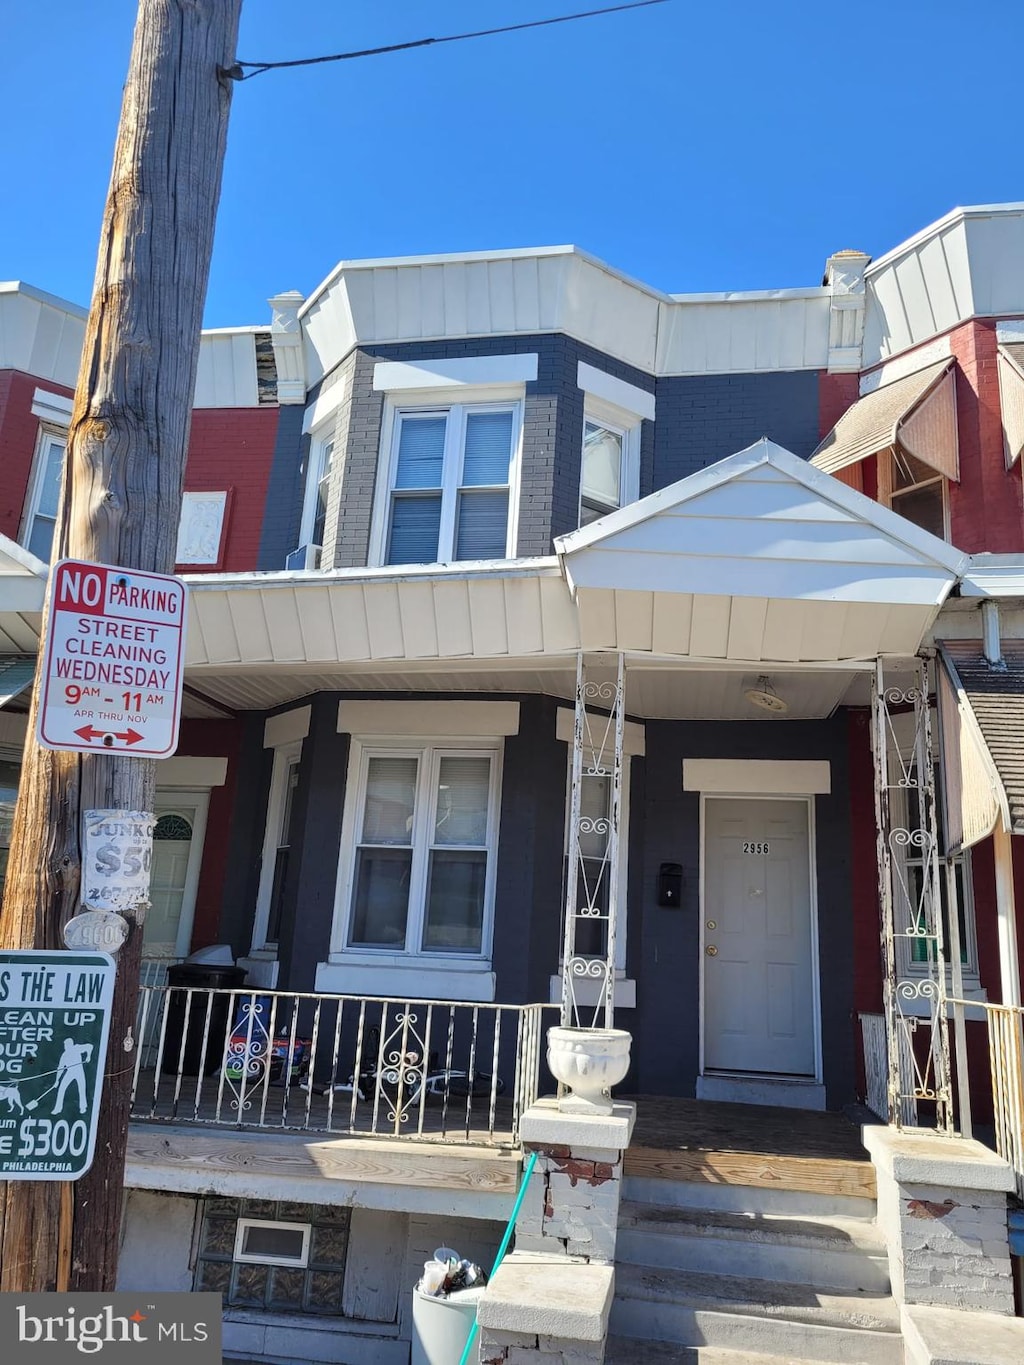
(449, 495)
(424, 854)
(41, 513)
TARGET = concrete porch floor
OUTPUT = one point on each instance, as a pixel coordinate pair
(747, 1144)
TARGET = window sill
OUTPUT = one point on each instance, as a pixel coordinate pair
(261, 969)
(588, 992)
(412, 978)
(310, 1322)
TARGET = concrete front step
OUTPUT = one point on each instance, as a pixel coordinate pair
(630, 1351)
(796, 1322)
(736, 1198)
(827, 1252)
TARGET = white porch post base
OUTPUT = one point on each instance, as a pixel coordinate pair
(550, 1309)
(945, 1336)
(942, 1208)
(571, 1206)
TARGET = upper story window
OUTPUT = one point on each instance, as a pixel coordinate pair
(449, 483)
(610, 460)
(40, 523)
(915, 491)
(314, 506)
(602, 469)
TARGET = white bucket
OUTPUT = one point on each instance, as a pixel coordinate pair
(441, 1327)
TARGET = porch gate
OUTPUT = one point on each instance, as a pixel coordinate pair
(912, 929)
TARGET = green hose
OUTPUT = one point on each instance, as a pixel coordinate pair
(510, 1227)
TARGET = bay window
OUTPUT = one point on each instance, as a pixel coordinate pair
(449, 482)
(424, 832)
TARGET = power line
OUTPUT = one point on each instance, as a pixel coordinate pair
(244, 71)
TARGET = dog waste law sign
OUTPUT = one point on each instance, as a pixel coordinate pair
(54, 1018)
(111, 677)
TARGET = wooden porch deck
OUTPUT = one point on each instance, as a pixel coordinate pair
(748, 1144)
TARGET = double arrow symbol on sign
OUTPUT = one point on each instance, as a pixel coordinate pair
(129, 736)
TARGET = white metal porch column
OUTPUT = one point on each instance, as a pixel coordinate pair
(910, 899)
(592, 882)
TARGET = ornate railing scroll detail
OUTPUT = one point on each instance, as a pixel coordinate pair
(592, 880)
(917, 1034)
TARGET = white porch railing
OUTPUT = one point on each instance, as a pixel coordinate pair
(372, 1066)
(1006, 1059)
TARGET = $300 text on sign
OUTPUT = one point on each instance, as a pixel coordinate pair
(112, 670)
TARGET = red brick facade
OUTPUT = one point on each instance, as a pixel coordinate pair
(231, 449)
(19, 432)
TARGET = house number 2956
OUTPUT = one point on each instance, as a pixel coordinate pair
(756, 846)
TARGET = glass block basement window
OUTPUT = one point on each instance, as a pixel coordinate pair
(289, 1234)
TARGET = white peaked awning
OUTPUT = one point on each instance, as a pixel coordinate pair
(759, 558)
(915, 415)
(22, 590)
(1011, 399)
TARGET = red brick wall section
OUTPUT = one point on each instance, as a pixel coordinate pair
(232, 449)
(986, 506)
(19, 431)
(212, 739)
(836, 393)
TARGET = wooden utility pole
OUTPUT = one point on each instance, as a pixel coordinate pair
(121, 503)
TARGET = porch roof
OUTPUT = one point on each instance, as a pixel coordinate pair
(22, 589)
(758, 558)
(982, 709)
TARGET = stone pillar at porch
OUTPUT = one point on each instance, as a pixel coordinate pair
(549, 1300)
(942, 1208)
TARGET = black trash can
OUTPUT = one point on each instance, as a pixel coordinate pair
(187, 1046)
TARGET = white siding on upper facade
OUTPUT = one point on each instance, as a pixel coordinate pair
(40, 334)
(723, 336)
(226, 375)
(560, 289)
(969, 263)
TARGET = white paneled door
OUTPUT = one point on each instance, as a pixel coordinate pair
(759, 1000)
(174, 876)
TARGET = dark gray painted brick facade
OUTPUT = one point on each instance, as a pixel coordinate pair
(279, 534)
(664, 955)
(703, 418)
(308, 910)
(700, 419)
(662, 945)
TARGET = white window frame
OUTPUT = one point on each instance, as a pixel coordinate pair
(626, 425)
(456, 405)
(892, 495)
(429, 752)
(300, 1262)
(47, 437)
(285, 755)
(319, 443)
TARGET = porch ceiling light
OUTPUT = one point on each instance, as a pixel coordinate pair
(765, 696)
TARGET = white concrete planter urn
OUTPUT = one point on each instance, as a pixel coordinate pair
(590, 1061)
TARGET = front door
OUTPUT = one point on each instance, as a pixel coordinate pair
(758, 948)
(174, 875)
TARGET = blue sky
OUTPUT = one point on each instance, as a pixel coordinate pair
(694, 146)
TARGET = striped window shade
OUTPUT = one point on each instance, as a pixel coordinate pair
(482, 525)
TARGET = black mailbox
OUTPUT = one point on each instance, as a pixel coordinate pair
(670, 885)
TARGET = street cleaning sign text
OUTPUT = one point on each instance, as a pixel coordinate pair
(54, 1019)
(112, 669)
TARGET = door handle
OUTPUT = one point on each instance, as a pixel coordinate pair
(711, 950)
